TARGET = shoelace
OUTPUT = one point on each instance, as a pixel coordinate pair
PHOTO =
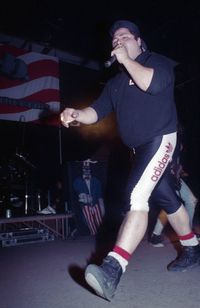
(112, 267)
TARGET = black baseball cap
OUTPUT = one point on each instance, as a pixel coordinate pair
(133, 28)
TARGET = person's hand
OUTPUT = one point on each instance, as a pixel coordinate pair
(68, 115)
(120, 52)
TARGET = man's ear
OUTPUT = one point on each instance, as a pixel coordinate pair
(139, 41)
(142, 45)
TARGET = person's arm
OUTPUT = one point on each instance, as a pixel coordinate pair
(141, 75)
(85, 116)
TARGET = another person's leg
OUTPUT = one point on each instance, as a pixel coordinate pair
(189, 199)
(156, 237)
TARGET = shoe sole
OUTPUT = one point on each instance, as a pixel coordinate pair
(90, 276)
(93, 283)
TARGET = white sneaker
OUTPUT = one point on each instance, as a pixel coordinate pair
(47, 210)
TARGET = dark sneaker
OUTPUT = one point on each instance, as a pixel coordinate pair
(104, 278)
(190, 257)
(156, 240)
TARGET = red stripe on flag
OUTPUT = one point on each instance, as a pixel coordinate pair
(42, 85)
(35, 70)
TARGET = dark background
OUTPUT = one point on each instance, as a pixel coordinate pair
(170, 27)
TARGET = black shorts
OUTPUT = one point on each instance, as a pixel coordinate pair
(150, 176)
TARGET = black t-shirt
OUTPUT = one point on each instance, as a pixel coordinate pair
(141, 115)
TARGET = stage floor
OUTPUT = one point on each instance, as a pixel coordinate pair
(51, 274)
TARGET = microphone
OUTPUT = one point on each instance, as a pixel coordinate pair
(109, 62)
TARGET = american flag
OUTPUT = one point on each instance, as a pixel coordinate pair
(36, 98)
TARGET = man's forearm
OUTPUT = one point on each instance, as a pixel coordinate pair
(141, 75)
(86, 116)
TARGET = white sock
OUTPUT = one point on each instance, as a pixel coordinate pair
(123, 262)
(190, 242)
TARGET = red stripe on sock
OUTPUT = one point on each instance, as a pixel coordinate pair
(186, 237)
(123, 253)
